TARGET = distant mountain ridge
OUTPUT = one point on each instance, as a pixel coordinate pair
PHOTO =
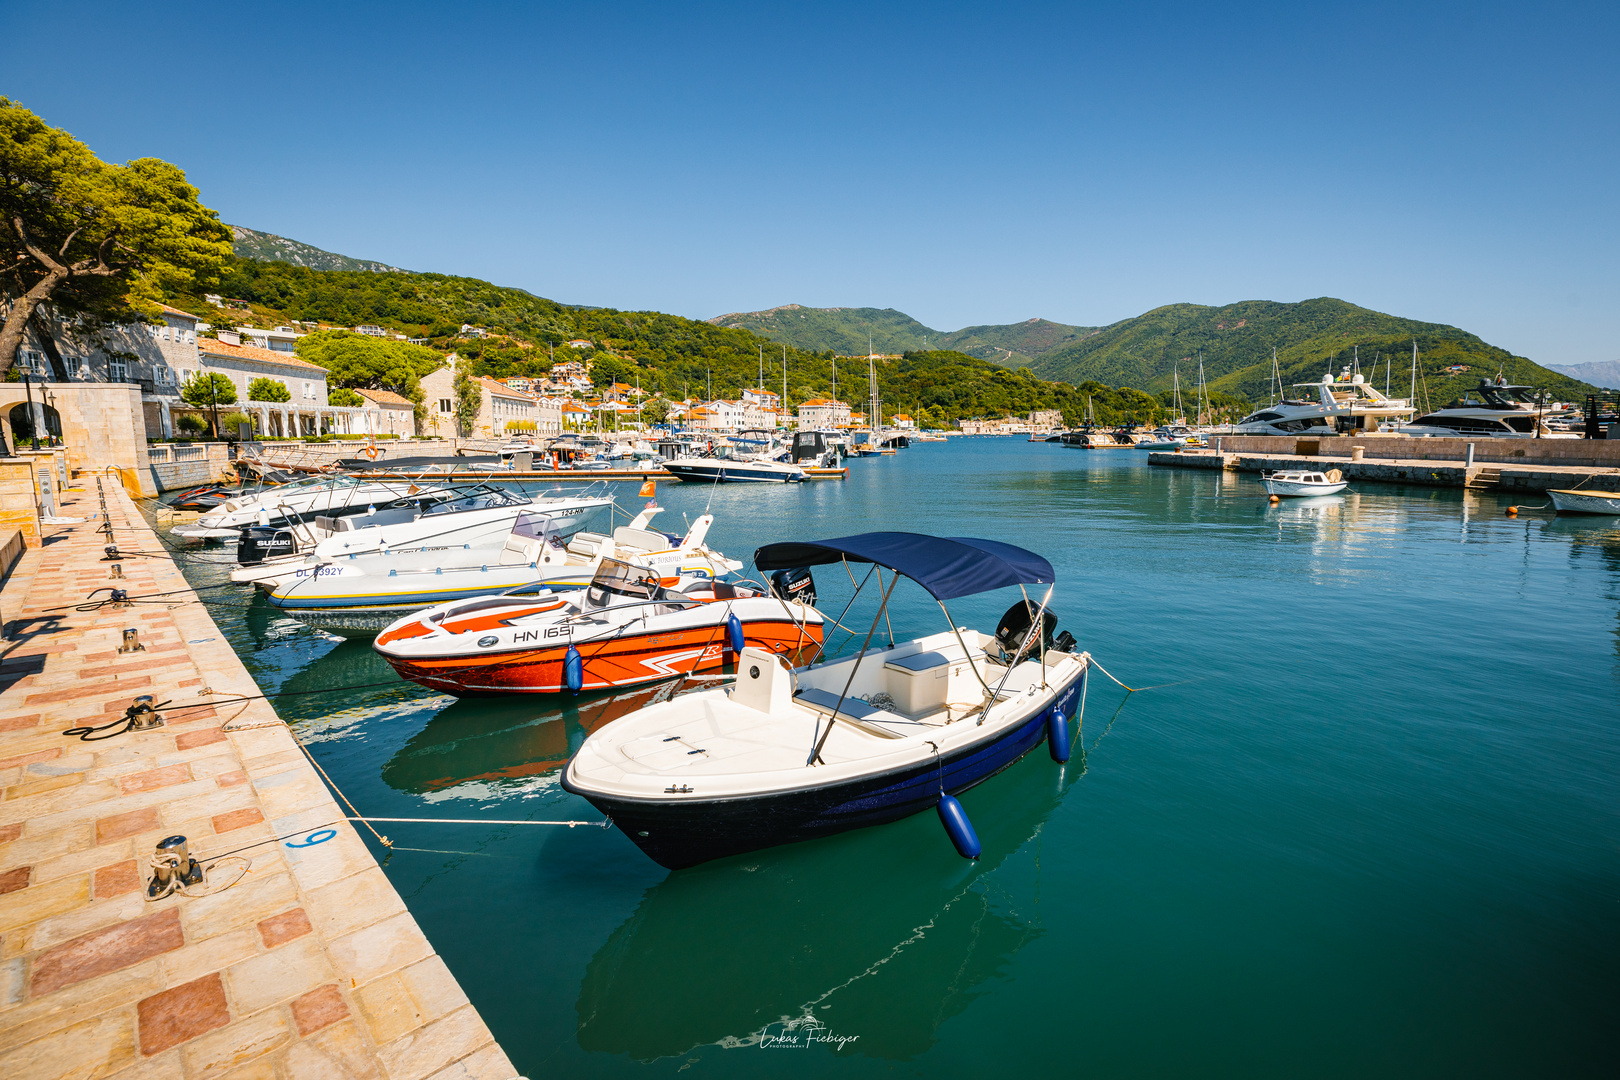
(845, 331)
(1311, 338)
(268, 247)
(1599, 373)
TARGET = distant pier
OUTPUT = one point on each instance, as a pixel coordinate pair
(1507, 465)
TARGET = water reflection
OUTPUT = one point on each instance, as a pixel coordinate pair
(502, 741)
(882, 934)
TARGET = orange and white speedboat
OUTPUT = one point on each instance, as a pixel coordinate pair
(624, 629)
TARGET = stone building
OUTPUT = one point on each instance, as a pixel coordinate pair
(501, 409)
(387, 413)
(823, 414)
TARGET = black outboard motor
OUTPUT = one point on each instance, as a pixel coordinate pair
(794, 584)
(1014, 627)
(260, 542)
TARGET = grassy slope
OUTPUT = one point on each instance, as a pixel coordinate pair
(845, 330)
(1311, 337)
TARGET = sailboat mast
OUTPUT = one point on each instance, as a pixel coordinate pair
(1413, 400)
(784, 407)
(1276, 376)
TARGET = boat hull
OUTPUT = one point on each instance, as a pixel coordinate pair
(1586, 502)
(678, 833)
(731, 473)
(616, 662)
(1292, 489)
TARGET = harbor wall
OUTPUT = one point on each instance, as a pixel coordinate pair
(1421, 472)
(1594, 453)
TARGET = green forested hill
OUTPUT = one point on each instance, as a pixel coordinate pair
(663, 352)
(846, 331)
(1311, 338)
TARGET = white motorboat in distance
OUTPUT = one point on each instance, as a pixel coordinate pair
(1304, 483)
(1571, 501)
(479, 517)
(795, 753)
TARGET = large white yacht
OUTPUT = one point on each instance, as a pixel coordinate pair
(1347, 403)
(1503, 411)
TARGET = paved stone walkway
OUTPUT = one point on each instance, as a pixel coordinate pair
(309, 966)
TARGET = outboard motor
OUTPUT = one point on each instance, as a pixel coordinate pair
(1064, 642)
(794, 584)
(1014, 627)
(260, 542)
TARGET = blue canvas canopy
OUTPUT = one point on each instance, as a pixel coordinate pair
(947, 566)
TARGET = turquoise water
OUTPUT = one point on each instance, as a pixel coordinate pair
(1370, 828)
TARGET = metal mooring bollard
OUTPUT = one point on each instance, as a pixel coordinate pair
(142, 715)
(117, 570)
(132, 641)
(172, 868)
(1469, 464)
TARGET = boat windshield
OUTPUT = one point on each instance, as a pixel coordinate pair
(616, 581)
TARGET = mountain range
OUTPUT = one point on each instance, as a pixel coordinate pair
(847, 331)
(1152, 352)
(1234, 343)
(1601, 373)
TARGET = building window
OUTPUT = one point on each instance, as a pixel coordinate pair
(117, 371)
(32, 360)
(444, 405)
(163, 375)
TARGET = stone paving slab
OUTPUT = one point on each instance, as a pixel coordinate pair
(309, 965)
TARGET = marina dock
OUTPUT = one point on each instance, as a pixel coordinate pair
(555, 476)
(1530, 466)
(293, 956)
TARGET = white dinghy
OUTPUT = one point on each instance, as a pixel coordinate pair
(793, 753)
(1303, 483)
(1570, 501)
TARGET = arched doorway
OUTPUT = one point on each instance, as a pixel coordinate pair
(22, 421)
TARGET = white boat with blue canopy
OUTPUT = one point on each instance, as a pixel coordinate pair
(793, 753)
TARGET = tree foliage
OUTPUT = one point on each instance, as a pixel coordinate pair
(469, 400)
(356, 360)
(343, 396)
(265, 389)
(95, 241)
(207, 389)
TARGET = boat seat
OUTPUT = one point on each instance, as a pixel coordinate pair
(922, 683)
(640, 539)
(857, 713)
(1022, 677)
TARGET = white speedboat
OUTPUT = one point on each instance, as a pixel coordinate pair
(727, 465)
(480, 517)
(1571, 501)
(363, 594)
(331, 495)
(624, 629)
(1304, 483)
(793, 753)
(1348, 403)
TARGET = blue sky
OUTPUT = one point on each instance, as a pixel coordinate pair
(965, 163)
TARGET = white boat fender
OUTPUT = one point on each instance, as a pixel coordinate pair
(573, 670)
(958, 827)
(1057, 736)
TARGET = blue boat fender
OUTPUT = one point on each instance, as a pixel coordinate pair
(734, 633)
(573, 670)
(1057, 736)
(958, 827)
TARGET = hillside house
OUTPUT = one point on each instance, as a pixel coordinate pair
(823, 414)
(386, 413)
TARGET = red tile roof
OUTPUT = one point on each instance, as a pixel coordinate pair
(167, 310)
(253, 352)
(385, 397)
